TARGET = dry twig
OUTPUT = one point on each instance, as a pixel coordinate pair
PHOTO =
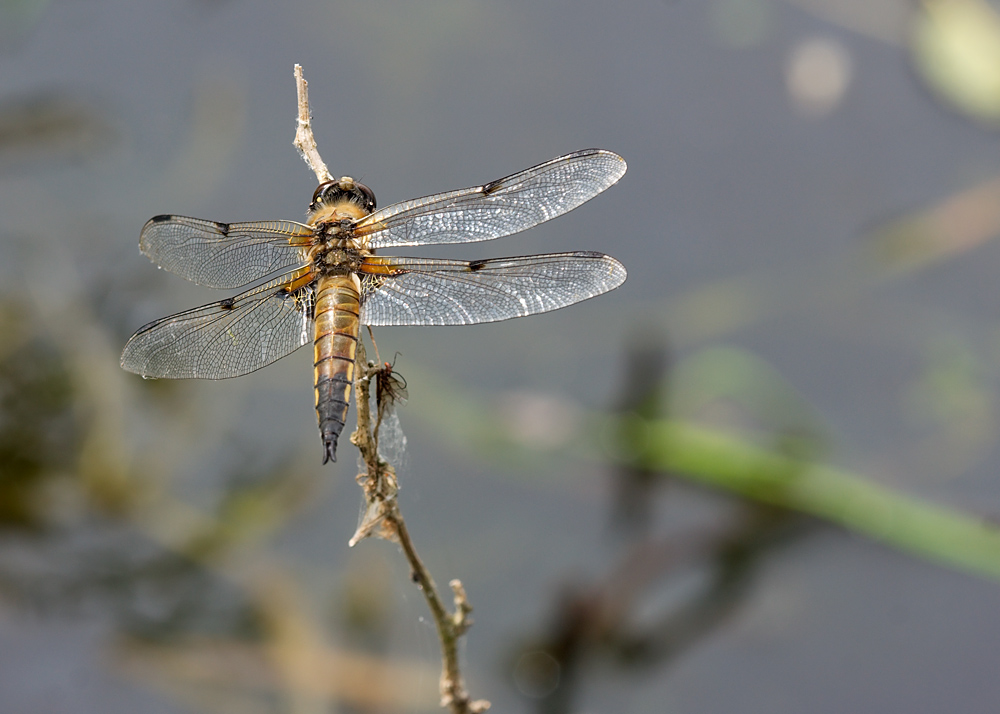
(304, 140)
(383, 519)
(382, 516)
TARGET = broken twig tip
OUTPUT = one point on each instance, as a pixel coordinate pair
(305, 142)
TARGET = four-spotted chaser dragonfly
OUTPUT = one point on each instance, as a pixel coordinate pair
(329, 280)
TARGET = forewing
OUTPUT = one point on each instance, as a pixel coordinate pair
(223, 255)
(424, 291)
(225, 339)
(496, 209)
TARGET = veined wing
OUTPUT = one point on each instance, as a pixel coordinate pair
(426, 291)
(508, 205)
(227, 338)
(223, 255)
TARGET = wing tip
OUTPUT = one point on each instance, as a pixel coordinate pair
(617, 158)
(619, 267)
(127, 363)
(615, 266)
(145, 246)
(617, 274)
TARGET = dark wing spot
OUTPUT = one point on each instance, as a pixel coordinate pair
(223, 228)
(162, 218)
(476, 265)
(491, 187)
(227, 304)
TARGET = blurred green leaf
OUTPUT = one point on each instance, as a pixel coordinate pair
(838, 496)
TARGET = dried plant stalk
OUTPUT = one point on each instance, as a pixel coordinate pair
(304, 140)
(382, 517)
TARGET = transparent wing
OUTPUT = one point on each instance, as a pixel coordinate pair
(223, 255)
(425, 291)
(227, 338)
(496, 209)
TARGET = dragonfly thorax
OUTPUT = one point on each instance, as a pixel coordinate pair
(338, 260)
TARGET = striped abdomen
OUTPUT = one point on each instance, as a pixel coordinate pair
(338, 305)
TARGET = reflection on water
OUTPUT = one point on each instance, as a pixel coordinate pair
(644, 393)
(667, 591)
(61, 549)
(192, 593)
(44, 127)
(37, 431)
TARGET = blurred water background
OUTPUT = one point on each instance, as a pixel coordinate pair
(807, 220)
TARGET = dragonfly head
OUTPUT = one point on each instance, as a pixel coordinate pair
(343, 189)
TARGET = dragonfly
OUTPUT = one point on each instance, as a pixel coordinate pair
(320, 280)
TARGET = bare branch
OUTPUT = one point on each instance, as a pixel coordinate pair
(382, 517)
(304, 140)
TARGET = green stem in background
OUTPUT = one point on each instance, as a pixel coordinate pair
(940, 533)
(931, 531)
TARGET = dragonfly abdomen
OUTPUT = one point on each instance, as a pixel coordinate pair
(338, 305)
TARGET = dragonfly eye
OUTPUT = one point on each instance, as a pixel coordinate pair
(367, 196)
(347, 188)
